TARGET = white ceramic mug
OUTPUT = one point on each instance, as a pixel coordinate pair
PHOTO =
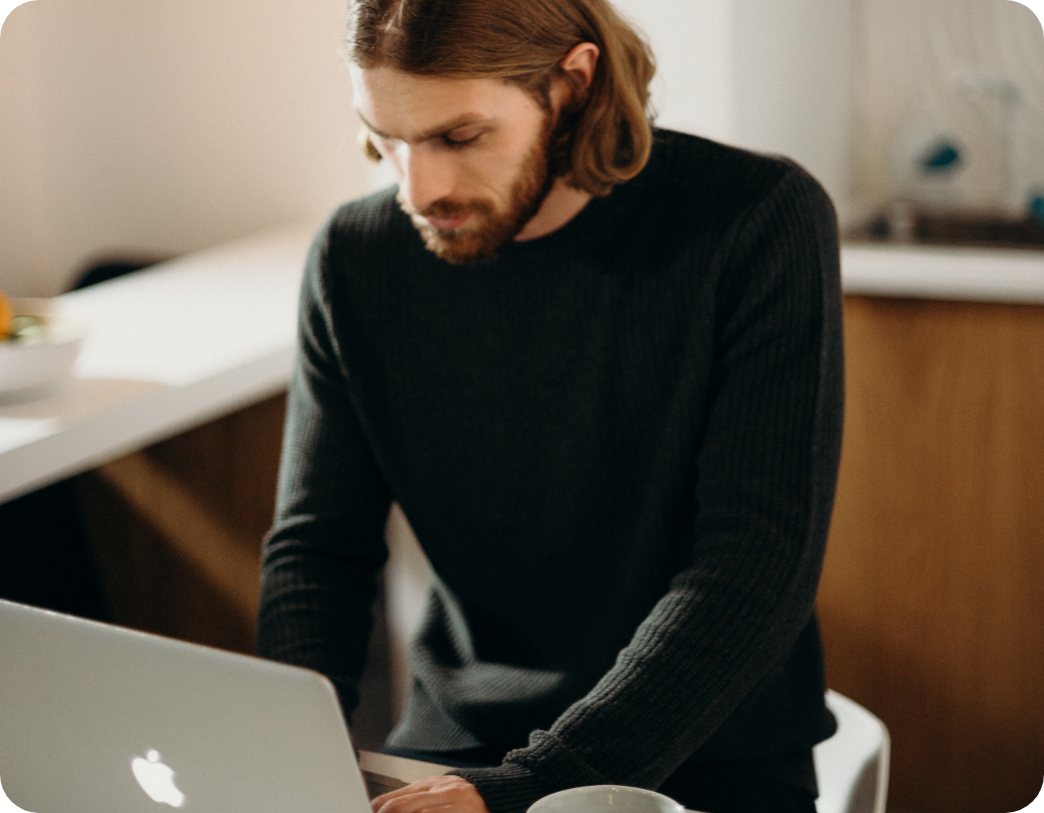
(606, 799)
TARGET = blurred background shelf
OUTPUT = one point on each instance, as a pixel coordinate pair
(907, 225)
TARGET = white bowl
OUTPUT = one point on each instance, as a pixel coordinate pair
(27, 367)
(606, 799)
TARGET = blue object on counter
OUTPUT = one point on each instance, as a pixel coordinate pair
(1036, 208)
(943, 157)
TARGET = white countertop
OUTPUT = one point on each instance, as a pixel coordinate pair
(976, 274)
(197, 337)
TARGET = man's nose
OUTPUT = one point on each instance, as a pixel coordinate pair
(426, 177)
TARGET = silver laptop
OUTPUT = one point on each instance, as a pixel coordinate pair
(99, 719)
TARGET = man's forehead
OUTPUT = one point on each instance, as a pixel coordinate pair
(400, 105)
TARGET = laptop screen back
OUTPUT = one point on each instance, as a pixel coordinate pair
(99, 719)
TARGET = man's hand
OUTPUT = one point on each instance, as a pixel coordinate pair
(450, 794)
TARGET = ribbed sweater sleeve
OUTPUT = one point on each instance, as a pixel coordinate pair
(321, 559)
(766, 471)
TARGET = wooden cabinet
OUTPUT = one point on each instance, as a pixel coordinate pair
(932, 598)
(177, 527)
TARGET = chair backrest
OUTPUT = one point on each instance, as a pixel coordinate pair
(852, 766)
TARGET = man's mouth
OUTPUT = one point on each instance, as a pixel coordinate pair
(448, 223)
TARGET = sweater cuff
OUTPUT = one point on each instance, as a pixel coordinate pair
(507, 788)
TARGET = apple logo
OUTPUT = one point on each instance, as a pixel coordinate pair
(157, 779)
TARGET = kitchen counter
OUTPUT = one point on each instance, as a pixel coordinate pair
(974, 274)
(169, 348)
(202, 335)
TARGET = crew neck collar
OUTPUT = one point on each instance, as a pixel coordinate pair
(584, 225)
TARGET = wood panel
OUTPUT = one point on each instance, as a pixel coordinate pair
(932, 599)
(177, 527)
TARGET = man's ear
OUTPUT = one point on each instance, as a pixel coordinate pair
(577, 69)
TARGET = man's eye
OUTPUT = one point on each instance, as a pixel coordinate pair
(458, 141)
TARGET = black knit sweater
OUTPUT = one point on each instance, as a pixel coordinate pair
(618, 446)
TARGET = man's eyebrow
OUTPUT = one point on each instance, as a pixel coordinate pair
(442, 129)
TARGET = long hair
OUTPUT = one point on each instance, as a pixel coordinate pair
(605, 141)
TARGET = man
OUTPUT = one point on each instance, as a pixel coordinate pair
(599, 367)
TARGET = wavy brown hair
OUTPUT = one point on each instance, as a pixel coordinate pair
(605, 140)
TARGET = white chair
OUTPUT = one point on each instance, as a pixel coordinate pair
(852, 766)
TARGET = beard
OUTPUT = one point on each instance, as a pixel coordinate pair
(489, 228)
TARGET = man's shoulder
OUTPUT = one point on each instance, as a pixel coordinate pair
(696, 166)
(719, 184)
(353, 243)
(373, 217)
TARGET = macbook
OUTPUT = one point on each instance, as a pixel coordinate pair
(99, 719)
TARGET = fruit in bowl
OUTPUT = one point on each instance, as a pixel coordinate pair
(38, 344)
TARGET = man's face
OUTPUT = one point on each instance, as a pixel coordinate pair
(471, 155)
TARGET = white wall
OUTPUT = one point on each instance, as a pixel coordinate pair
(21, 235)
(794, 84)
(165, 126)
(763, 74)
(694, 45)
(912, 56)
